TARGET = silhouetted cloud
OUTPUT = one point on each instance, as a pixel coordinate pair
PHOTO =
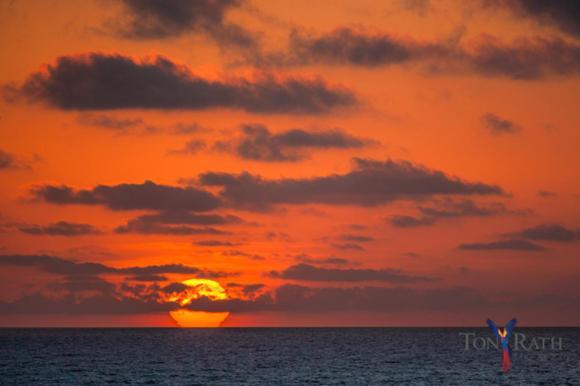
(60, 228)
(239, 253)
(508, 244)
(143, 299)
(134, 226)
(192, 146)
(369, 183)
(498, 125)
(306, 259)
(105, 82)
(7, 160)
(307, 272)
(347, 246)
(549, 232)
(160, 19)
(247, 289)
(258, 143)
(546, 193)
(353, 47)
(215, 243)
(147, 195)
(420, 7)
(148, 278)
(563, 14)
(447, 209)
(187, 218)
(523, 58)
(60, 266)
(10, 161)
(286, 298)
(356, 238)
(109, 121)
(177, 223)
(404, 221)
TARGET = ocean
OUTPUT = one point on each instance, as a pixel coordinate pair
(272, 356)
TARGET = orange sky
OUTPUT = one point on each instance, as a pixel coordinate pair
(428, 85)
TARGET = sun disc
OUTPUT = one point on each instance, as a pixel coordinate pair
(197, 288)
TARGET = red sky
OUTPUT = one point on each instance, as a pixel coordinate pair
(327, 163)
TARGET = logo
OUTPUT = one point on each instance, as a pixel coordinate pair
(504, 334)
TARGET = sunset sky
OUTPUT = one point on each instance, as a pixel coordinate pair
(319, 163)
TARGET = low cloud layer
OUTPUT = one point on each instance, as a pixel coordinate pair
(256, 142)
(147, 195)
(447, 209)
(369, 183)
(549, 232)
(307, 272)
(508, 244)
(162, 19)
(523, 58)
(7, 160)
(178, 223)
(562, 14)
(97, 81)
(498, 125)
(60, 266)
(60, 228)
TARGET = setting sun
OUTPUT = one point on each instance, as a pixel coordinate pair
(195, 289)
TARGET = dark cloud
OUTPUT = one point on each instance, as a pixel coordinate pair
(370, 183)
(546, 193)
(148, 278)
(306, 259)
(508, 244)
(258, 143)
(287, 298)
(347, 246)
(447, 209)
(247, 289)
(147, 195)
(549, 232)
(238, 253)
(7, 160)
(60, 266)
(143, 299)
(106, 82)
(420, 7)
(381, 299)
(83, 283)
(563, 14)
(160, 19)
(182, 217)
(192, 146)
(109, 121)
(524, 59)
(498, 125)
(178, 223)
(60, 228)
(356, 238)
(352, 47)
(135, 226)
(215, 243)
(307, 272)
(404, 221)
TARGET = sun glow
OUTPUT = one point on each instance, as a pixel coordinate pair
(197, 288)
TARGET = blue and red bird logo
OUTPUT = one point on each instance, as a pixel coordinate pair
(503, 334)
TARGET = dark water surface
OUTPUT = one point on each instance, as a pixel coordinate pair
(270, 356)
